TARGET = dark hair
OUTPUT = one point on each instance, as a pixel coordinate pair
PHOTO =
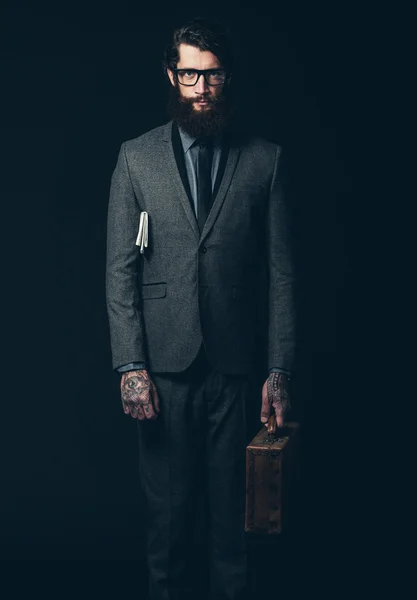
(204, 34)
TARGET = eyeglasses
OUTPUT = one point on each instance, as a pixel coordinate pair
(191, 76)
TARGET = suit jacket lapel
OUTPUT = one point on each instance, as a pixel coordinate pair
(228, 163)
(179, 157)
(220, 170)
(176, 164)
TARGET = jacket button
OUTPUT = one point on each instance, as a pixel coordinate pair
(203, 249)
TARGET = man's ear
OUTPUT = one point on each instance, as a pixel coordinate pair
(171, 77)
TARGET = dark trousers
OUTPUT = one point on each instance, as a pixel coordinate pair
(192, 468)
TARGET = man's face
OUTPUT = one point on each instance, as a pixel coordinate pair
(201, 93)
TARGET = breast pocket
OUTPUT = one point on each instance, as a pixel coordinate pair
(150, 291)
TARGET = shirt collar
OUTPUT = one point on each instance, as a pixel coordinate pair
(188, 140)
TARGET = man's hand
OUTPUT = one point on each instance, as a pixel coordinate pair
(139, 395)
(275, 393)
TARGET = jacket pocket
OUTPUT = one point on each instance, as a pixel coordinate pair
(153, 290)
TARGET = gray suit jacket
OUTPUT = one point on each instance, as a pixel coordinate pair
(219, 287)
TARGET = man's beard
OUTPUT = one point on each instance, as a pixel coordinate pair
(208, 121)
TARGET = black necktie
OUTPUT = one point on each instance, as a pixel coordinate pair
(204, 162)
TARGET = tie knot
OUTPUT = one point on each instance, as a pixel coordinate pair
(205, 142)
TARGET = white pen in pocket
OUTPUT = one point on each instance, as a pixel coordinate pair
(142, 239)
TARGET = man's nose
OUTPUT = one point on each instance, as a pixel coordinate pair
(201, 86)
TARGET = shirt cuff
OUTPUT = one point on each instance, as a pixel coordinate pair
(279, 370)
(134, 366)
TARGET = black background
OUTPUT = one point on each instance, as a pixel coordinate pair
(77, 80)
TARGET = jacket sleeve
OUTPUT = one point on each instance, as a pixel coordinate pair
(123, 268)
(281, 323)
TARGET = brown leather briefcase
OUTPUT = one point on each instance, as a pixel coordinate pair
(272, 467)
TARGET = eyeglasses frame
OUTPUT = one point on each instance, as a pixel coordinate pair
(202, 72)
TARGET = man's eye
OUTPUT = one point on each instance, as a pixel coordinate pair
(216, 73)
(188, 73)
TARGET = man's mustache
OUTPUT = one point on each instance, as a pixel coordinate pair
(198, 99)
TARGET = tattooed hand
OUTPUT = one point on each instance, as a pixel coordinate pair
(275, 393)
(139, 395)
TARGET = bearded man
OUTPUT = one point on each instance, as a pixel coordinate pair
(184, 313)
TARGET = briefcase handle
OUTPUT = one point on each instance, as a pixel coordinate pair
(272, 426)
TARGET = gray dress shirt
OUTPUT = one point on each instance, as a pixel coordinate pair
(190, 156)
